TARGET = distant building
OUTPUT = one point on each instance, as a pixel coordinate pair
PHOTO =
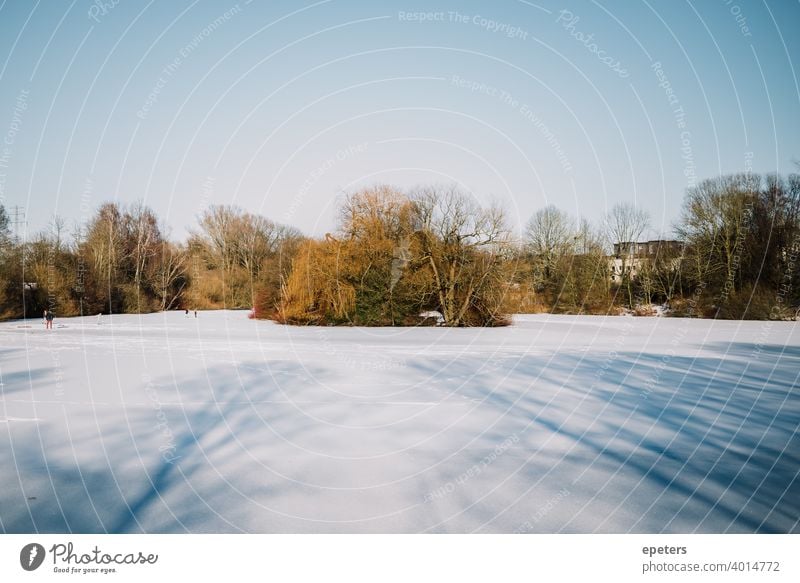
(647, 248)
(633, 254)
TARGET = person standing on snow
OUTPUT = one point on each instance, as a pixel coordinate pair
(48, 316)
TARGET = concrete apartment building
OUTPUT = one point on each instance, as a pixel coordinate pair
(633, 254)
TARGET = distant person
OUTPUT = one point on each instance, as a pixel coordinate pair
(44, 318)
(187, 313)
(49, 319)
(195, 313)
(99, 318)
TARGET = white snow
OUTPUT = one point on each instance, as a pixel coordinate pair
(161, 423)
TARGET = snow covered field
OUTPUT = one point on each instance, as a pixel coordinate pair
(161, 423)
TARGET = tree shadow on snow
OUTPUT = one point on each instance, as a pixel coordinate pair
(147, 468)
(656, 443)
(643, 442)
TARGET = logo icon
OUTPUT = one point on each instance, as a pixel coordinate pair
(31, 556)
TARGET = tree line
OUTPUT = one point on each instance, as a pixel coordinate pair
(430, 255)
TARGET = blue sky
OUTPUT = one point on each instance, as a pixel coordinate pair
(280, 107)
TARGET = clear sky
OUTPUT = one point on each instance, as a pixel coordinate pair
(280, 107)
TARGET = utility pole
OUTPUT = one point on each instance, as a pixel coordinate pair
(19, 220)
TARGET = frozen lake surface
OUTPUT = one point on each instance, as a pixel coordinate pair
(162, 423)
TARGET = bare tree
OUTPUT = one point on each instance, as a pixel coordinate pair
(218, 233)
(105, 241)
(239, 248)
(717, 216)
(5, 231)
(624, 226)
(587, 280)
(143, 240)
(464, 245)
(255, 240)
(549, 235)
(625, 223)
(171, 269)
(56, 230)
